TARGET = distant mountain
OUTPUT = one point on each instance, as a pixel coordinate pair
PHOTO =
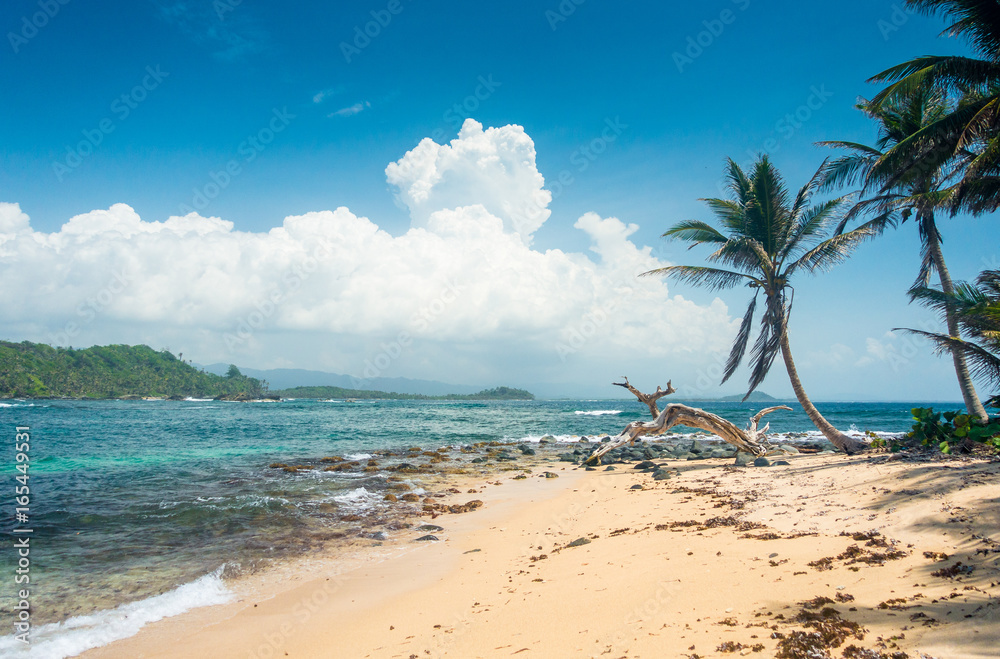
(287, 378)
(498, 393)
(755, 397)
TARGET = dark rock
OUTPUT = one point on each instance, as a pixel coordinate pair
(782, 463)
(697, 447)
(645, 465)
(478, 460)
(590, 469)
(526, 450)
(427, 538)
(567, 457)
(762, 462)
(379, 535)
(695, 456)
(606, 438)
(637, 486)
(743, 459)
(546, 439)
(579, 542)
(661, 475)
(549, 474)
(430, 528)
(609, 468)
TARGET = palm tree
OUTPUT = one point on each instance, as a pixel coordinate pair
(892, 197)
(973, 124)
(977, 311)
(768, 238)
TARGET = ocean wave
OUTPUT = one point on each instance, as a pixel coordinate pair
(358, 499)
(597, 412)
(81, 633)
(199, 400)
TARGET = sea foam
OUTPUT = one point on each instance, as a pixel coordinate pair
(81, 633)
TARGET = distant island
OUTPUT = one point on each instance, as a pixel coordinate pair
(497, 393)
(36, 370)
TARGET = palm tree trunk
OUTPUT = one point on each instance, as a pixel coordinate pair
(847, 444)
(972, 403)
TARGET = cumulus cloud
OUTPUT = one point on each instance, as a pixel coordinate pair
(494, 168)
(461, 289)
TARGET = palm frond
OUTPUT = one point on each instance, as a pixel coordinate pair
(836, 249)
(740, 344)
(768, 342)
(984, 364)
(695, 232)
(713, 278)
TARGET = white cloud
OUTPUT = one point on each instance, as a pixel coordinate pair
(324, 94)
(350, 110)
(494, 168)
(461, 295)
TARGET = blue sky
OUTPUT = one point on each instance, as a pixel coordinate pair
(634, 105)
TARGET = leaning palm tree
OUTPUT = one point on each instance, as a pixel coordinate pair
(973, 124)
(894, 198)
(977, 311)
(767, 237)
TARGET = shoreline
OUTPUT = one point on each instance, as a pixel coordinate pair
(679, 563)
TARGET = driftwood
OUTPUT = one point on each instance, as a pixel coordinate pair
(648, 399)
(751, 440)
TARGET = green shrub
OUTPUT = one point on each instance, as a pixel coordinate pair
(955, 428)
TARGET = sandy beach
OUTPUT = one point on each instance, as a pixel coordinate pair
(880, 552)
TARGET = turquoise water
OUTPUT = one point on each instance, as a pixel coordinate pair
(131, 499)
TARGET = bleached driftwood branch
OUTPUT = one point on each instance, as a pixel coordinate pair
(648, 399)
(751, 440)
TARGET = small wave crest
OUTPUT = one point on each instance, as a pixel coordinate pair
(358, 500)
(597, 412)
(81, 633)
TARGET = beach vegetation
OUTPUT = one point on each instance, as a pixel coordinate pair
(952, 431)
(35, 370)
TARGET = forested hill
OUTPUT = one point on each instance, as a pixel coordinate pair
(35, 370)
(498, 393)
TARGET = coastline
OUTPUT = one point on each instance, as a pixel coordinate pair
(678, 568)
